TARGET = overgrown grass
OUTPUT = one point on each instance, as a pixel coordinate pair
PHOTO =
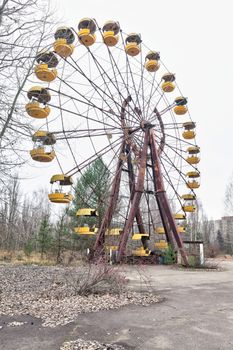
(20, 257)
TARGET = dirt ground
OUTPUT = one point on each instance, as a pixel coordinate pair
(197, 313)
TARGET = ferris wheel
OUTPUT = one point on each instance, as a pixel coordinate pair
(104, 95)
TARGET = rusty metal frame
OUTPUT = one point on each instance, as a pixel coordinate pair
(162, 200)
(137, 188)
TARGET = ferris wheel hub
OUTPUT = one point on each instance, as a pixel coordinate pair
(145, 124)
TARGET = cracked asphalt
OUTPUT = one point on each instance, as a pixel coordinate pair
(196, 313)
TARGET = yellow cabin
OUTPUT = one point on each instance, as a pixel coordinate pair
(152, 61)
(36, 111)
(180, 229)
(189, 208)
(40, 155)
(192, 185)
(168, 84)
(141, 252)
(85, 230)
(188, 134)
(193, 174)
(138, 236)
(45, 70)
(63, 45)
(86, 33)
(87, 212)
(38, 95)
(42, 150)
(58, 195)
(180, 107)
(179, 216)
(160, 230)
(132, 47)
(162, 244)
(114, 232)
(193, 160)
(110, 33)
(188, 197)
(193, 150)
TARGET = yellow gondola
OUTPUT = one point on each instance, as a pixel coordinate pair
(189, 208)
(188, 134)
(180, 229)
(193, 150)
(40, 155)
(138, 236)
(58, 195)
(168, 85)
(180, 107)
(141, 252)
(188, 130)
(114, 232)
(86, 34)
(87, 212)
(160, 230)
(36, 111)
(188, 197)
(192, 185)
(162, 244)
(132, 47)
(45, 70)
(193, 174)
(63, 45)
(38, 95)
(179, 216)
(193, 160)
(110, 33)
(41, 140)
(152, 61)
(85, 230)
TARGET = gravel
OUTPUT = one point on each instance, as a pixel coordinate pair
(81, 344)
(44, 292)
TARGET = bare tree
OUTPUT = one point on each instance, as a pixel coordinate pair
(228, 200)
(25, 25)
(9, 214)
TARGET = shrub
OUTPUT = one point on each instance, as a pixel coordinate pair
(97, 278)
(28, 248)
(169, 256)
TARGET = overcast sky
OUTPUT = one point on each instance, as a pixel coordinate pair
(194, 39)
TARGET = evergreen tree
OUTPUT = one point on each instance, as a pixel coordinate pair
(44, 238)
(92, 191)
(62, 234)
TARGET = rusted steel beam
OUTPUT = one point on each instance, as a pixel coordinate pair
(139, 219)
(139, 188)
(165, 210)
(106, 222)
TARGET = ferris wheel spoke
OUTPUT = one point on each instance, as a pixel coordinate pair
(117, 72)
(131, 111)
(92, 158)
(81, 115)
(98, 88)
(130, 74)
(103, 73)
(86, 102)
(168, 161)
